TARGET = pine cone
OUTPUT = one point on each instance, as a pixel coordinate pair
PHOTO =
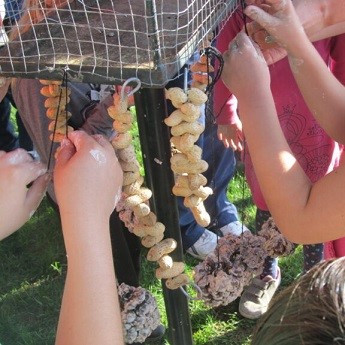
(139, 312)
(219, 282)
(275, 243)
(222, 275)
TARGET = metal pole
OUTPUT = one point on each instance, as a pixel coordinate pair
(155, 144)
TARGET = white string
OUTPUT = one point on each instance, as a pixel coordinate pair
(133, 90)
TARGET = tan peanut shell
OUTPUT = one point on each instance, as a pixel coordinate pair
(134, 187)
(176, 269)
(165, 262)
(149, 241)
(196, 180)
(192, 201)
(142, 210)
(149, 219)
(130, 166)
(195, 128)
(200, 215)
(203, 192)
(196, 168)
(175, 282)
(196, 96)
(181, 191)
(130, 177)
(143, 195)
(194, 153)
(164, 247)
(121, 127)
(174, 118)
(191, 112)
(177, 96)
(127, 154)
(122, 140)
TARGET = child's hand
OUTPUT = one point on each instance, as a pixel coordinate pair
(279, 19)
(271, 50)
(88, 176)
(245, 69)
(18, 202)
(231, 135)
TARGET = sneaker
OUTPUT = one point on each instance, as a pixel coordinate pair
(255, 299)
(205, 245)
(235, 228)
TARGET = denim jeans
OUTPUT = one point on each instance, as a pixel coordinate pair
(8, 139)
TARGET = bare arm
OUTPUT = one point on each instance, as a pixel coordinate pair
(304, 212)
(87, 180)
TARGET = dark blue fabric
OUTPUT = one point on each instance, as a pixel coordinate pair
(8, 139)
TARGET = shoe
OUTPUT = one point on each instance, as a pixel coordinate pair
(235, 228)
(257, 296)
(205, 245)
(155, 337)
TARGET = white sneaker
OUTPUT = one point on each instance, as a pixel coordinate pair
(205, 245)
(257, 296)
(235, 228)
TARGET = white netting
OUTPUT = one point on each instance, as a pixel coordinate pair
(107, 41)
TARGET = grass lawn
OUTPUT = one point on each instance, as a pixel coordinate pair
(33, 268)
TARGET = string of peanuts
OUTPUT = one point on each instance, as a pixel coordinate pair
(135, 197)
(58, 97)
(186, 129)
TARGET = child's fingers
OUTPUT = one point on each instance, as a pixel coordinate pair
(259, 15)
(32, 170)
(18, 156)
(245, 42)
(103, 141)
(36, 193)
(66, 152)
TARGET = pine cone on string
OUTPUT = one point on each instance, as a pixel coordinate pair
(220, 282)
(139, 312)
(222, 275)
(126, 214)
(253, 254)
(275, 243)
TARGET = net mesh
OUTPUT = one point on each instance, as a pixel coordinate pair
(107, 41)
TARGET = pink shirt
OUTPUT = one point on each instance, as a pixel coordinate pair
(317, 153)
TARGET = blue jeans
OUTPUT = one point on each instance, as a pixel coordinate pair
(8, 139)
(222, 164)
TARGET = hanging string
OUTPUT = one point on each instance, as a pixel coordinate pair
(64, 82)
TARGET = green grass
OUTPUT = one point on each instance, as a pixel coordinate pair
(33, 268)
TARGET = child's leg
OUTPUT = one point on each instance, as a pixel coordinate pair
(312, 254)
(271, 264)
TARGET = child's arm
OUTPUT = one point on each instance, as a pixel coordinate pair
(305, 213)
(23, 183)
(88, 180)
